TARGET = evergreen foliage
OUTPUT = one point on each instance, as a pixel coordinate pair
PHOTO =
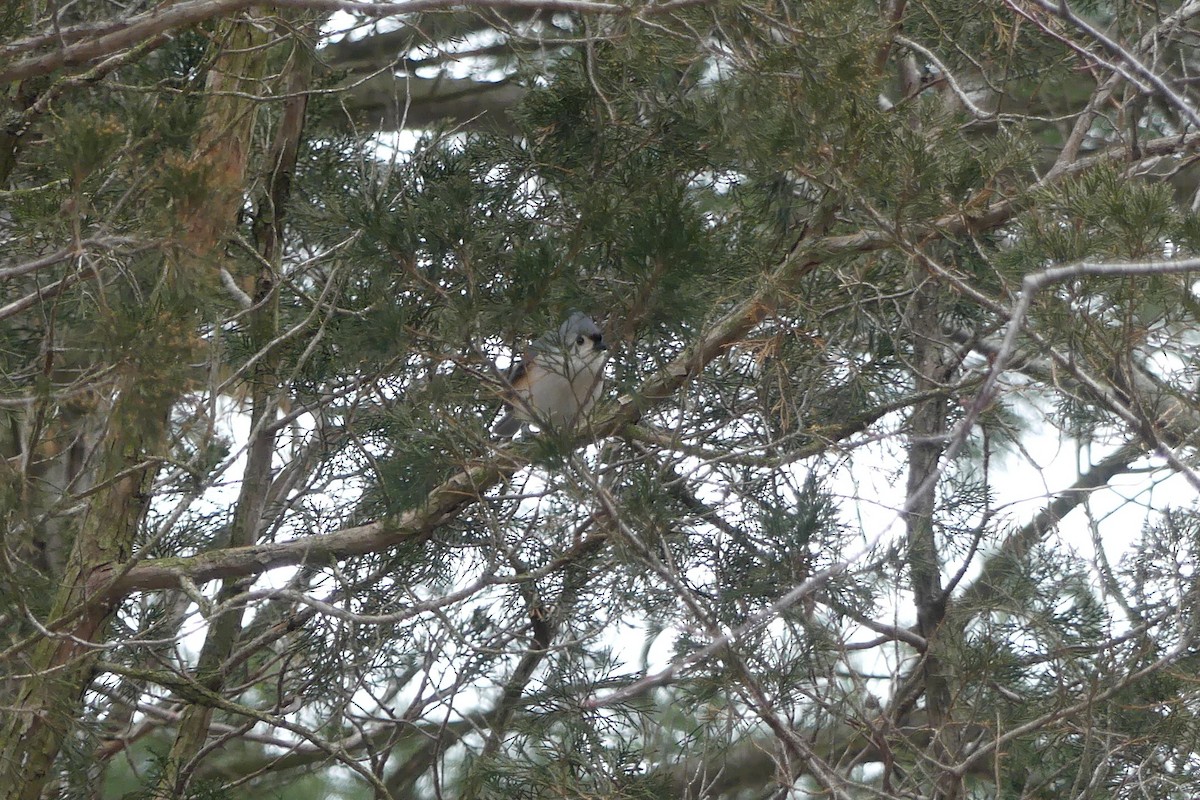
(902, 319)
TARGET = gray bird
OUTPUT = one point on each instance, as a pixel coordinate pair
(558, 379)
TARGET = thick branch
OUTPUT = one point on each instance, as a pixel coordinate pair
(390, 102)
(442, 503)
(92, 41)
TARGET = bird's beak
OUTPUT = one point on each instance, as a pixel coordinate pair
(601, 345)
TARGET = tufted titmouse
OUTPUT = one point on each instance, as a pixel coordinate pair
(559, 378)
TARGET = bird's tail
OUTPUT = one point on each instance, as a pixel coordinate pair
(508, 425)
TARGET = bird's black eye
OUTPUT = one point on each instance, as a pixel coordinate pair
(579, 340)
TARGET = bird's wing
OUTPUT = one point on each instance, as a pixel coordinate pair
(518, 371)
(510, 423)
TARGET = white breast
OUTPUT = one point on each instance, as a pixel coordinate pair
(559, 393)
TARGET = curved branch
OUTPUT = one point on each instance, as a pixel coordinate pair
(390, 102)
(92, 41)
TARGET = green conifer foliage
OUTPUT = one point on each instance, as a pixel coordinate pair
(889, 490)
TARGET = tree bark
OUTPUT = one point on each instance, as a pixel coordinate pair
(60, 666)
(263, 326)
(927, 440)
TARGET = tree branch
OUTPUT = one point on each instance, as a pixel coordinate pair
(93, 41)
(464, 488)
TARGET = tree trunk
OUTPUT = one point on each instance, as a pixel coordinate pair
(60, 666)
(263, 326)
(927, 442)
